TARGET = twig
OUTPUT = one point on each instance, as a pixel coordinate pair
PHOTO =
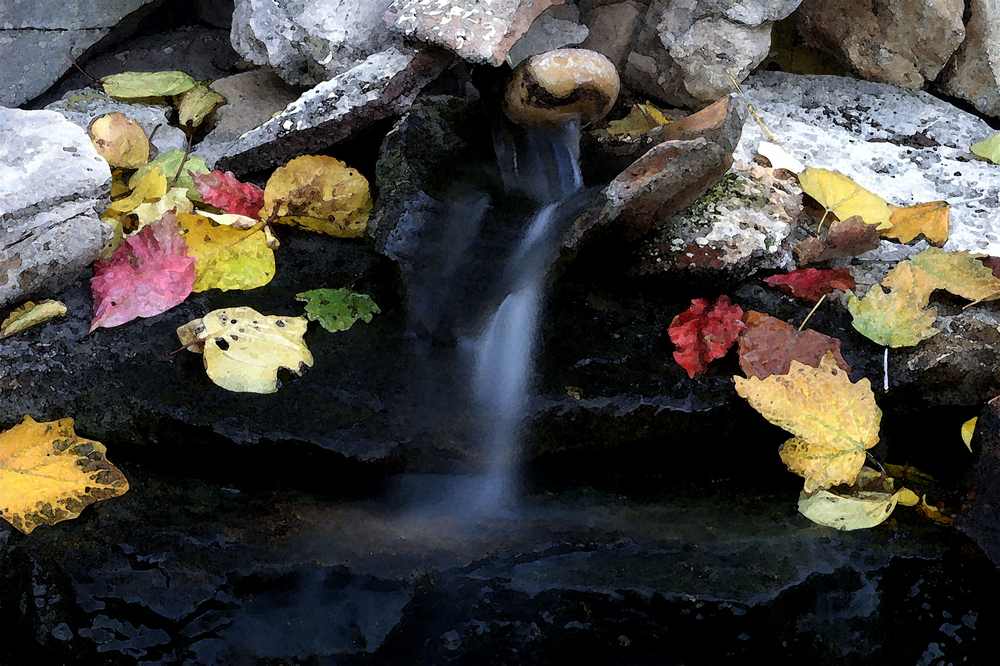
(90, 76)
(885, 370)
(815, 307)
(180, 167)
(877, 463)
(153, 133)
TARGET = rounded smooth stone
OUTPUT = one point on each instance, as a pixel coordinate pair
(561, 85)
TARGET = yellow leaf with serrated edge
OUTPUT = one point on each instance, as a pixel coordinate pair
(318, 193)
(834, 421)
(120, 140)
(959, 273)
(843, 197)
(49, 474)
(931, 220)
(243, 349)
(29, 315)
(899, 318)
(150, 187)
(968, 430)
(175, 199)
(226, 258)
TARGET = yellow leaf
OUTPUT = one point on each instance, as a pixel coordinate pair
(234, 220)
(907, 497)
(133, 85)
(899, 318)
(226, 258)
(115, 221)
(968, 430)
(854, 511)
(150, 187)
(988, 148)
(929, 219)
(933, 513)
(118, 184)
(318, 193)
(194, 105)
(49, 474)
(120, 140)
(833, 420)
(175, 199)
(243, 349)
(31, 314)
(959, 273)
(640, 119)
(843, 197)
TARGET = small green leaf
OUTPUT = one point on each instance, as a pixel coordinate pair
(130, 85)
(988, 148)
(195, 105)
(168, 163)
(337, 309)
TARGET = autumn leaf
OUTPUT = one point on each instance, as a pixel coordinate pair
(968, 431)
(900, 317)
(49, 474)
(120, 140)
(988, 149)
(841, 196)
(337, 309)
(222, 190)
(169, 163)
(29, 315)
(133, 85)
(149, 274)
(959, 273)
(768, 346)
(243, 349)
(857, 510)
(640, 119)
(233, 220)
(929, 220)
(834, 421)
(811, 284)
(175, 199)
(318, 193)
(842, 239)
(779, 158)
(196, 103)
(226, 258)
(150, 187)
(704, 332)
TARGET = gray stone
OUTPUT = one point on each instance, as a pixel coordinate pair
(906, 146)
(557, 27)
(308, 41)
(382, 86)
(481, 31)
(974, 72)
(688, 52)
(40, 38)
(52, 186)
(612, 29)
(81, 107)
(251, 99)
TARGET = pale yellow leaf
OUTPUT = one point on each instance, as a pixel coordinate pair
(843, 197)
(857, 510)
(968, 430)
(31, 314)
(175, 199)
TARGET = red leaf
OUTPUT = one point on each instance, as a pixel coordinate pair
(811, 284)
(222, 190)
(148, 274)
(769, 345)
(705, 332)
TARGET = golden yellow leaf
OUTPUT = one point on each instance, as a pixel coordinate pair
(899, 318)
(120, 140)
(833, 420)
(150, 187)
(640, 119)
(49, 474)
(195, 104)
(857, 510)
(175, 199)
(31, 314)
(959, 273)
(843, 197)
(318, 193)
(225, 257)
(907, 497)
(243, 349)
(118, 184)
(929, 219)
(968, 430)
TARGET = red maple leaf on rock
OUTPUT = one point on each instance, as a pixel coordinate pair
(705, 332)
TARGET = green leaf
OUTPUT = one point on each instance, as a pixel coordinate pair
(168, 163)
(195, 105)
(988, 148)
(130, 85)
(899, 318)
(337, 309)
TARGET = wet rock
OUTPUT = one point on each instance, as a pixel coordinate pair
(686, 52)
(216, 13)
(981, 520)
(903, 42)
(53, 184)
(382, 86)
(612, 27)
(309, 41)
(557, 27)
(562, 85)
(974, 72)
(480, 32)
(41, 39)
(906, 146)
(81, 107)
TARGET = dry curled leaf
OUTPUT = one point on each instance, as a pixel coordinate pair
(811, 284)
(222, 190)
(779, 158)
(150, 187)
(988, 148)
(768, 346)
(640, 119)
(841, 239)
(318, 193)
(930, 220)
(968, 431)
(120, 140)
(29, 315)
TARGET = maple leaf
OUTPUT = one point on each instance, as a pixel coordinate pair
(930, 220)
(834, 421)
(988, 149)
(959, 273)
(841, 196)
(147, 275)
(337, 309)
(226, 258)
(811, 284)
(769, 345)
(120, 140)
(843, 238)
(222, 190)
(318, 193)
(900, 317)
(49, 474)
(705, 332)
(133, 85)
(29, 315)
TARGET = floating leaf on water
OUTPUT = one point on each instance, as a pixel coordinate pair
(857, 510)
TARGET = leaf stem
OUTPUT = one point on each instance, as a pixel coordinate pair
(815, 307)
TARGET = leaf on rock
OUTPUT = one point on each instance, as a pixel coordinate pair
(337, 309)
(226, 258)
(780, 158)
(968, 430)
(705, 332)
(769, 345)
(988, 149)
(843, 197)
(834, 421)
(132, 85)
(150, 187)
(29, 315)
(243, 349)
(959, 273)
(318, 193)
(120, 140)
(149, 274)
(196, 103)
(856, 510)
(811, 284)
(900, 317)
(222, 190)
(169, 162)
(175, 199)
(640, 119)
(929, 220)
(843, 238)
(49, 474)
